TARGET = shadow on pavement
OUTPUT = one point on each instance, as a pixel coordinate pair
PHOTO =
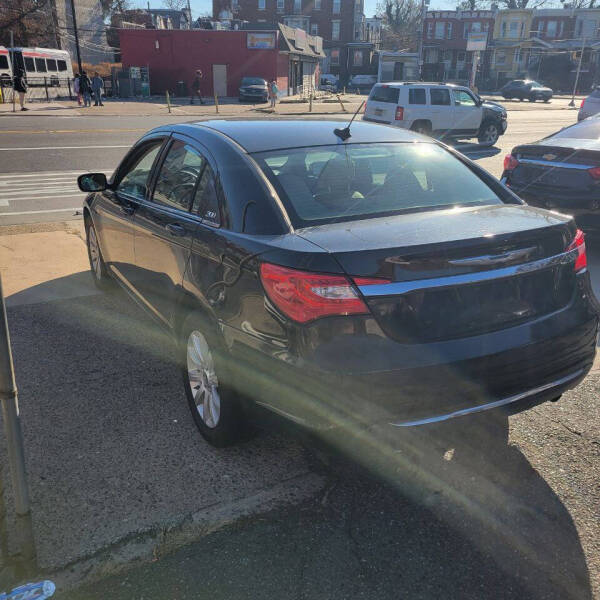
(111, 450)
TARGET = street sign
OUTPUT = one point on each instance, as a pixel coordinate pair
(477, 40)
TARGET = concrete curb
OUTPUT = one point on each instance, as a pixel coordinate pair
(153, 543)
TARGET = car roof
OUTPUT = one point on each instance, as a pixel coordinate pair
(264, 135)
(402, 83)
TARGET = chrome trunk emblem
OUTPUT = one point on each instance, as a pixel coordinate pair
(495, 259)
(548, 156)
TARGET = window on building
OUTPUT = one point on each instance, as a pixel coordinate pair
(440, 30)
(335, 56)
(504, 26)
(551, 29)
(357, 58)
(297, 6)
(416, 96)
(314, 29)
(522, 29)
(439, 96)
(513, 28)
(336, 7)
(460, 57)
(449, 31)
(335, 30)
(579, 28)
(500, 57)
(317, 5)
(261, 4)
(430, 29)
(280, 6)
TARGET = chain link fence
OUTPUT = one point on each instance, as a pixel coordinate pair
(40, 89)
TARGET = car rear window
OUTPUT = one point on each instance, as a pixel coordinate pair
(416, 96)
(439, 97)
(586, 130)
(382, 93)
(356, 181)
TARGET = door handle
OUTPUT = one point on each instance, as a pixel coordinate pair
(127, 209)
(175, 229)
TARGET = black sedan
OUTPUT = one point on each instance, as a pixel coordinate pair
(254, 89)
(341, 278)
(525, 89)
(560, 172)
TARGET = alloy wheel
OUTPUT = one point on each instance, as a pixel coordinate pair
(202, 379)
(94, 249)
(490, 134)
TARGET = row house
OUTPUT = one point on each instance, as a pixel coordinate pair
(349, 41)
(445, 35)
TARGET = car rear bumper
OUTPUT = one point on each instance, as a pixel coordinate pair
(356, 375)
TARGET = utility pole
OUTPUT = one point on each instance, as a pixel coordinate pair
(189, 15)
(76, 34)
(421, 26)
(12, 62)
(572, 103)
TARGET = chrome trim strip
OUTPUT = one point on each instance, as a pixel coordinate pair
(490, 405)
(488, 260)
(403, 287)
(560, 165)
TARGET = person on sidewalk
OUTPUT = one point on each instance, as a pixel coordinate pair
(76, 88)
(273, 91)
(20, 86)
(98, 88)
(197, 87)
(85, 85)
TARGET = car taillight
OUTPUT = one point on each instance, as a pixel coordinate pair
(594, 172)
(579, 244)
(582, 103)
(399, 113)
(510, 162)
(304, 296)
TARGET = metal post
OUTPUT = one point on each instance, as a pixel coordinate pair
(76, 34)
(10, 416)
(12, 62)
(46, 88)
(420, 35)
(69, 85)
(474, 69)
(572, 103)
(168, 101)
(216, 103)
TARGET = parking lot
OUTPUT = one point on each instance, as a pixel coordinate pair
(118, 472)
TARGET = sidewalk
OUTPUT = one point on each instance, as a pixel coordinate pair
(116, 468)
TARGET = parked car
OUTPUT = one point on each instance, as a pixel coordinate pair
(362, 82)
(254, 89)
(560, 172)
(589, 105)
(525, 89)
(341, 280)
(327, 85)
(442, 110)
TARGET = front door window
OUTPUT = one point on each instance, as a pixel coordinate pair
(134, 182)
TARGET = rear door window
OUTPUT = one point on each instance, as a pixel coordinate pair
(382, 93)
(439, 96)
(178, 175)
(206, 200)
(416, 96)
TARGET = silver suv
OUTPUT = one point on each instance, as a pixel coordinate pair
(590, 105)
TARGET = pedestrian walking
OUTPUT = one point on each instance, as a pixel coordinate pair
(273, 91)
(98, 88)
(20, 86)
(197, 87)
(76, 88)
(85, 86)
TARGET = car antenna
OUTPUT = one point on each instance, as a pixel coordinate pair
(344, 134)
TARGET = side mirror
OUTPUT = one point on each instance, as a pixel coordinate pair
(92, 182)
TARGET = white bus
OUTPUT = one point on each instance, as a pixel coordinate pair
(43, 66)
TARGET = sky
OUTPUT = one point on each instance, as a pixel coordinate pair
(200, 7)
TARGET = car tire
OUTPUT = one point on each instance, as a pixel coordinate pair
(532, 98)
(546, 100)
(422, 127)
(489, 132)
(99, 271)
(215, 406)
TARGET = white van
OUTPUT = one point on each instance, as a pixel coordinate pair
(437, 109)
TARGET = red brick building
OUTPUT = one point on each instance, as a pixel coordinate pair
(338, 22)
(445, 35)
(224, 57)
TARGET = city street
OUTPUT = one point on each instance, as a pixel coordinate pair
(119, 474)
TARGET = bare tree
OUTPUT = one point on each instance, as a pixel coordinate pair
(28, 20)
(472, 5)
(402, 20)
(111, 7)
(579, 3)
(521, 3)
(175, 4)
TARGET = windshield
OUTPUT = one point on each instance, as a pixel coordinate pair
(587, 130)
(338, 183)
(253, 81)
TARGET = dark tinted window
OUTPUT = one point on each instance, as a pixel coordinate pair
(51, 64)
(3, 62)
(439, 97)
(206, 201)
(135, 180)
(62, 65)
(382, 93)
(340, 183)
(178, 175)
(586, 130)
(40, 65)
(29, 64)
(416, 96)
(253, 81)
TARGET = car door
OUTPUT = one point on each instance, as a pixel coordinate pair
(467, 112)
(114, 209)
(441, 110)
(164, 228)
